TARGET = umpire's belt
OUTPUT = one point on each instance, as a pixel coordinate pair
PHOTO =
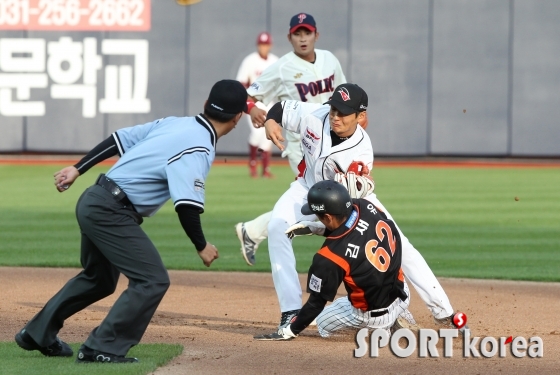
(117, 193)
(376, 313)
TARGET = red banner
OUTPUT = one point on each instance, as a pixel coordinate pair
(75, 15)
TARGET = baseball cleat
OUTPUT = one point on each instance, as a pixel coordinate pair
(405, 320)
(272, 337)
(57, 349)
(287, 318)
(248, 246)
(88, 355)
(448, 323)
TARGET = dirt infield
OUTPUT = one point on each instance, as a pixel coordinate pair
(214, 316)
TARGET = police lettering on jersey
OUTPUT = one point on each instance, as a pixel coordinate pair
(315, 88)
(292, 78)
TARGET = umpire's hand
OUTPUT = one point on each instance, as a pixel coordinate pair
(258, 116)
(208, 254)
(64, 178)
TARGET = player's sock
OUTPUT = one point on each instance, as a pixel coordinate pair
(253, 160)
(265, 156)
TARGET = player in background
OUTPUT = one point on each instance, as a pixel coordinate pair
(358, 235)
(305, 74)
(251, 68)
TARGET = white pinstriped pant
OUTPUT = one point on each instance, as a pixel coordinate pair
(341, 314)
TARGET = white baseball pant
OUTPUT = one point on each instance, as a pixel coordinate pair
(257, 229)
(286, 212)
(341, 314)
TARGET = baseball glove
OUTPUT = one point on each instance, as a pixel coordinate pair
(358, 186)
(359, 168)
(305, 228)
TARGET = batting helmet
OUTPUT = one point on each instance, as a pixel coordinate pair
(327, 197)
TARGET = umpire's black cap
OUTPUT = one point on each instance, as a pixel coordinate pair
(228, 96)
(349, 98)
(327, 197)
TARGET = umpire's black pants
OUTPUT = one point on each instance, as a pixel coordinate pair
(112, 243)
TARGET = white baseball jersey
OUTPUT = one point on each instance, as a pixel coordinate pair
(293, 78)
(322, 160)
(252, 67)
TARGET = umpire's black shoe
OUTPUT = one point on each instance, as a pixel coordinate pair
(88, 355)
(57, 349)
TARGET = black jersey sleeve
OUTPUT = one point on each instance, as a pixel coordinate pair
(189, 216)
(312, 308)
(324, 277)
(102, 151)
(275, 113)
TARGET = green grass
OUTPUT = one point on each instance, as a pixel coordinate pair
(465, 221)
(19, 362)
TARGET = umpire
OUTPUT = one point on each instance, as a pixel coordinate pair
(163, 159)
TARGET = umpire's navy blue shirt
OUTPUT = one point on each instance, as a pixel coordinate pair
(166, 158)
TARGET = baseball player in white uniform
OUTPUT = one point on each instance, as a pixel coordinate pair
(332, 141)
(251, 68)
(305, 74)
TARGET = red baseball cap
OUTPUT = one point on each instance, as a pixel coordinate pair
(264, 38)
(302, 20)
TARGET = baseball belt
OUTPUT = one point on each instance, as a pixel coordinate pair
(117, 193)
(376, 313)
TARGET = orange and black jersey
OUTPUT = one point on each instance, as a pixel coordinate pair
(365, 253)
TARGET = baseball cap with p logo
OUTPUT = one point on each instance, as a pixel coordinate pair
(349, 98)
(302, 20)
(227, 96)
